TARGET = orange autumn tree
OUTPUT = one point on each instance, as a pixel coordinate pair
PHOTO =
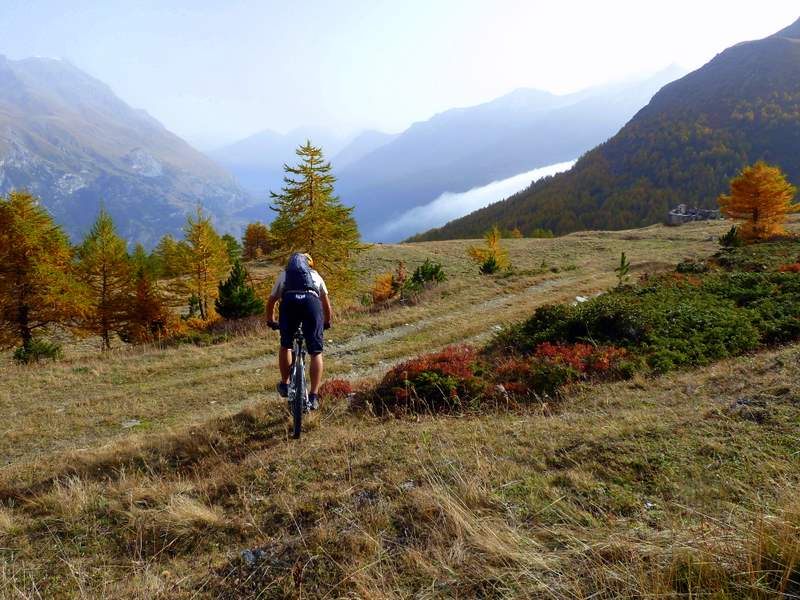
(38, 287)
(762, 198)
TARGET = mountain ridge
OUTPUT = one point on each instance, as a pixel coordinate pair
(66, 137)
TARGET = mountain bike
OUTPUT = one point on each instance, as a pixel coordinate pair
(298, 394)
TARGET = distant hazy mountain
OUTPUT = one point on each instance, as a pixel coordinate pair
(257, 161)
(469, 147)
(67, 138)
(683, 147)
(362, 144)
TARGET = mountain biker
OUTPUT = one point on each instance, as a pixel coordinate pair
(304, 302)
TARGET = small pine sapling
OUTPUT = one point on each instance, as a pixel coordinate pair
(730, 239)
(237, 298)
(623, 270)
(492, 257)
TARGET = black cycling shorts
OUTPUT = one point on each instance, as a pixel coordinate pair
(298, 308)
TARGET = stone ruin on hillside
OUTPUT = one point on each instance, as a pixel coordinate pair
(682, 214)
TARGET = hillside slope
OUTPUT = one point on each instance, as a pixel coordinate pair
(169, 473)
(683, 147)
(67, 138)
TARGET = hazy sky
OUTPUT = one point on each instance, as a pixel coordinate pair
(215, 70)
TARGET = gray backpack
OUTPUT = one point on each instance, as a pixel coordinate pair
(298, 275)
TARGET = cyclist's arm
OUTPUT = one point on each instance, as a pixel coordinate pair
(326, 308)
(275, 296)
(271, 308)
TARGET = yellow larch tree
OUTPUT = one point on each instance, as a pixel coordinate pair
(761, 198)
(205, 262)
(37, 280)
(103, 266)
(491, 257)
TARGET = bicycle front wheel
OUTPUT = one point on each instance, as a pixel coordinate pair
(298, 402)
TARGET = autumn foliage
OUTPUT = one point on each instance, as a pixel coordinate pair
(383, 288)
(38, 286)
(335, 389)
(435, 382)
(761, 198)
(257, 241)
(491, 257)
(105, 270)
(204, 260)
(584, 358)
(461, 378)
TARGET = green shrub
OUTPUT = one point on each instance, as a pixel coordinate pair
(427, 274)
(490, 266)
(692, 266)
(760, 257)
(547, 377)
(37, 350)
(667, 323)
(237, 298)
(731, 239)
(695, 329)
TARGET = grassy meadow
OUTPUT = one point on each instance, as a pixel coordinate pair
(145, 472)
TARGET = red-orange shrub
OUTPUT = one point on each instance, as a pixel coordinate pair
(514, 374)
(790, 268)
(335, 389)
(437, 382)
(584, 358)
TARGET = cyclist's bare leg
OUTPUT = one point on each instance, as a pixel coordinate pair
(284, 363)
(316, 372)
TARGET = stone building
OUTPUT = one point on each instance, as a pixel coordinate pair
(683, 214)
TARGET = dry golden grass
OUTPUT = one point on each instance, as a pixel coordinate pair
(89, 399)
(633, 489)
(6, 522)
(647, 488)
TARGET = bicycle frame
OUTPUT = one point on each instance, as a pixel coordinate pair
(298, 395)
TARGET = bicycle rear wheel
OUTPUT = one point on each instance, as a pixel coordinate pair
(298, 401)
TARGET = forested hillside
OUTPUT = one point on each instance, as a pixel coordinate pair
(683, 147)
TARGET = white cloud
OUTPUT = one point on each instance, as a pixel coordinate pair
(451, 206)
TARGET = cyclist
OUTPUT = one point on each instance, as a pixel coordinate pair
(304, 302)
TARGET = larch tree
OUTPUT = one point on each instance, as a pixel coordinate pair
(147, 315)
(312, 219)
(492, 256)
(257, 241)
(37, 283)
(205, 262)
(141, 259)
(105, 269)
(761, 198)
(167, 257)
(234, 247)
